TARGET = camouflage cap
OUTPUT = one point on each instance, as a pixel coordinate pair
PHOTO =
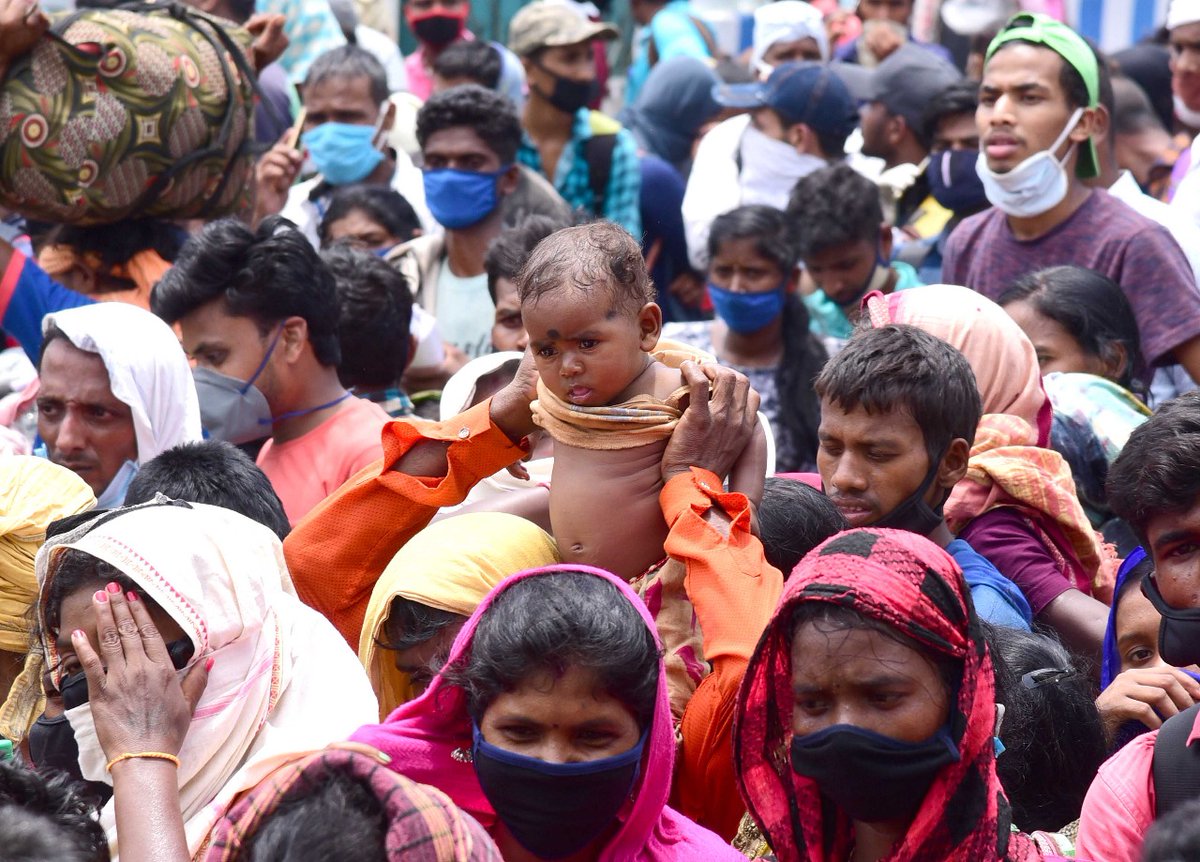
(553, 24)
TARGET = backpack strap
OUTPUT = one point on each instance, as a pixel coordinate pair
(1176, 765)
(598, 153)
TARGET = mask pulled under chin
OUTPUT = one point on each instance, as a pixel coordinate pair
(871, 777)
(914, 515)
(91, 756)
(555, 809)
(1186, 115)
(1036, 185)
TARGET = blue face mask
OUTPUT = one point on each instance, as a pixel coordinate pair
(747, 312)
(343, 152)
(459, 199)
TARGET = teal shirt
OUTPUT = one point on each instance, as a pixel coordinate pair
(829, 321)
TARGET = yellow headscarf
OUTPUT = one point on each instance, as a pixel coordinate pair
(33, 492)
(450, 566)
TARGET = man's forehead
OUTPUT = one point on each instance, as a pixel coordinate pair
(69, 373)
(333, 91)
(1015, 63)
(456, 141)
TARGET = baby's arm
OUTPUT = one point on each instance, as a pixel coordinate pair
(749, 470)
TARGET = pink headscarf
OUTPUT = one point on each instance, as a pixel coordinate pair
(422, 735)
(1001, 355)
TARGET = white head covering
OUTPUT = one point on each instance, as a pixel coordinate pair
(147, 370)
(283, 682)
(788, 20)
(1182, 12)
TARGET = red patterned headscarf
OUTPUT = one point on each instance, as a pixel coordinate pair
(905, 581)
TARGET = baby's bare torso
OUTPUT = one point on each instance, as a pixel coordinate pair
(604, 506)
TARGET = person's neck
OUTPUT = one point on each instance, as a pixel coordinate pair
(1042, 223)
(322, 388)
(941, 535)
(873, 841)
(908, 152)
(1109, 172)
(383, 173)
(466, 248)
(543, 121)
(764, 347)
(512, 851)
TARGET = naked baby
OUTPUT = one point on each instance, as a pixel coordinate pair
(606, 397)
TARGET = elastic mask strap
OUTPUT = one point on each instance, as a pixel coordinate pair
(1070, 127)
(266, 358)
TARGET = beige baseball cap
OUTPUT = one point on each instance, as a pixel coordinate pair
(553, 24)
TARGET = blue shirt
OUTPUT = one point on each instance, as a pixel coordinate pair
(27, 294)
(572, 174)
(997, 599)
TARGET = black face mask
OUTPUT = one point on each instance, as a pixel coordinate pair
(437, 30)
(914, 514)
(872, 777)
(1179, 631)
(52, 740)
(555, 809)
(569, 96)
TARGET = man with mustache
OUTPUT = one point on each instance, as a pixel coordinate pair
(899, 409)
(1039, 106)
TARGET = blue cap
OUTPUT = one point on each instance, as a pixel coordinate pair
(808, 93)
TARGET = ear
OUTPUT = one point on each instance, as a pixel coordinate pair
(507, 183)
(293, 339)
(885, 242)
(896, 129)
(1103, 122)
(954, 463)
(389, 117)
(650, 326)
(798, 136)
(1087, 126)
(1115, 358)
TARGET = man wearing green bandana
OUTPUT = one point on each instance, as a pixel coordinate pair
(1037, 113)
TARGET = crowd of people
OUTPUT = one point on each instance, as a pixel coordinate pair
(781, 445)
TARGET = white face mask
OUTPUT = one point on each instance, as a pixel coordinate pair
(1036, 185)
(1186, 115)
(92, 761)
(770, 169)
(114, 495)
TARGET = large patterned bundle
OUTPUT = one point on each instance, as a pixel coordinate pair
(141, 111)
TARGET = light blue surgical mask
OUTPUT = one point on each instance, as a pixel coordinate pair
(459, 199)
(343, 152)
(747, 312)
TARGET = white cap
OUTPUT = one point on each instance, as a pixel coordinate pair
(1183, 12)
(788, 20)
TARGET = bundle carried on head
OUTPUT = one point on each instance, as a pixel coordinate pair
(145, 110)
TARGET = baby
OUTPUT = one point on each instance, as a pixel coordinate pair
(609, 402)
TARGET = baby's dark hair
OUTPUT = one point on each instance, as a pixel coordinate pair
(600, 254)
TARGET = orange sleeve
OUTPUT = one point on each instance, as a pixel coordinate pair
(734, 591)
(338, 550)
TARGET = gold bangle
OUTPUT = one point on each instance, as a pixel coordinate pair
(151, 755)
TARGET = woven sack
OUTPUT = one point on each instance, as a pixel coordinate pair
(140, 111)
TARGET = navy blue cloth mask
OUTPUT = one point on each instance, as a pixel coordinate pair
(745, 313)
(459, 199)
(954, 183)
(555, 809)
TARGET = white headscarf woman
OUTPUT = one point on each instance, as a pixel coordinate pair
(283, 682)
(147, 370)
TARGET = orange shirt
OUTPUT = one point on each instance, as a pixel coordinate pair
(338, 551)
(308, 469)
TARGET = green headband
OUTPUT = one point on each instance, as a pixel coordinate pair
(1058, 37)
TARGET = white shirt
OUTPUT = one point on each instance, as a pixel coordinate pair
(407, 180)
(1187, 196)
(1185, 231)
